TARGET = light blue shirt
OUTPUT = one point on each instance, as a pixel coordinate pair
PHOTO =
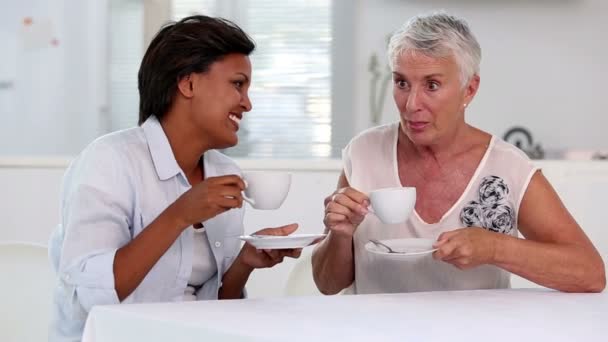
(114, 189)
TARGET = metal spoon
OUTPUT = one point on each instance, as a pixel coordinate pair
(378, 243)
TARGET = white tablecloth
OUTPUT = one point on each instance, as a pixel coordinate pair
(485, 315)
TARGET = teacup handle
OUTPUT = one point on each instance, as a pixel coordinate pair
(248, 200)
(371, 210)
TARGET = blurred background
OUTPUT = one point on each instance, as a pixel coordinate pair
(68, 71)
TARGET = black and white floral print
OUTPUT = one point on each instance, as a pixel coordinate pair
(492, 210)
(493, 190)
(471, 214)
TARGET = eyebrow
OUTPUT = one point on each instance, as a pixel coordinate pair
(433, 75)
(427, 76)
(246, 77)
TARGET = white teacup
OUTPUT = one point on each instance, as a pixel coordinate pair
(266, 190)
(393, 205)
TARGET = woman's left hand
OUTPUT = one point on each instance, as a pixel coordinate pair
(257, 258)
(466, 248)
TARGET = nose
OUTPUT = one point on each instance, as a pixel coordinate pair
(413, 101)
(246, 103)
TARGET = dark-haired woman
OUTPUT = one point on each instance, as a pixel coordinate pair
(153, 213)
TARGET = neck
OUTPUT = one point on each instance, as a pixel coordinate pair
(443, 149)
(187, 143)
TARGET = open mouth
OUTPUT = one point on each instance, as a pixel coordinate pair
(235, 119)
(417, 125)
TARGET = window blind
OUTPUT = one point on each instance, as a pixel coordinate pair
(126, 51)
(291, 89)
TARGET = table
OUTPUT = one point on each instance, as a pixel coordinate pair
(482, 315)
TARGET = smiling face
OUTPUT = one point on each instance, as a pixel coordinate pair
(218, 99)
(430, 97)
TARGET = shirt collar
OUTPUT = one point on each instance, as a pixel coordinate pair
(162, 156)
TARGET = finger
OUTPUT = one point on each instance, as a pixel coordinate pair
(270, 254)
(283, 230)
(329, 198)
(232, 192)
(292, 253)
(229, 203)
(333, 219)
(279, 260)
(227, 180)
(357, 218)
(354, 194)
(445, 237)
(453, 257)
(316, 241)
(273, 254)
(445, 251)
(335, 208)
(229, 190)
(277, 256)
(348, 202)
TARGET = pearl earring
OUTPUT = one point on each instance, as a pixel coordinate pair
(465, 105)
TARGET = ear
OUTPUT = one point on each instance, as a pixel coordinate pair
(471, 89)
(184, 85)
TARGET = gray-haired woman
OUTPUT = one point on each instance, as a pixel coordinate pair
(474, 191)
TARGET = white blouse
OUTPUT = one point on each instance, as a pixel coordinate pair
(112, 191)
(491, 200)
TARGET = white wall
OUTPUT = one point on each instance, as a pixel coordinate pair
(56, 67)
(543, 66)
(29, 204)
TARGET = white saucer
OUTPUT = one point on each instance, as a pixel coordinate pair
(404, 247)
(281, 242)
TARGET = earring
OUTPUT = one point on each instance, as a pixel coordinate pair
(465, 105)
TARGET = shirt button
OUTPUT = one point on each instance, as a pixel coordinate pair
(218, 244)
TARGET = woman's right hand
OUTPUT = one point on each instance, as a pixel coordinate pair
(345, 209)
(209, 198)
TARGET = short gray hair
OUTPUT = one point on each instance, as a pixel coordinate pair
(438, 35)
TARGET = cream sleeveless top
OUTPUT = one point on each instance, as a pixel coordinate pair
(491, 200)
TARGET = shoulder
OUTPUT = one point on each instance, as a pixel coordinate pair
(376, 133)
(116, 144)
(508, 164)
(107, 155)
(507, 153)
(374, 146)
(374, 137)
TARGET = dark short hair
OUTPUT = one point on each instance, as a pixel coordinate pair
(180, 48)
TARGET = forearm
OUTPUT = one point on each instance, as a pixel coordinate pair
(133, 261)
(234, 280)
(333, 264)
(565, 267)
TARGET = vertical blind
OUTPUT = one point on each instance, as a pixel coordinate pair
(126, 51)
(291, 88)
